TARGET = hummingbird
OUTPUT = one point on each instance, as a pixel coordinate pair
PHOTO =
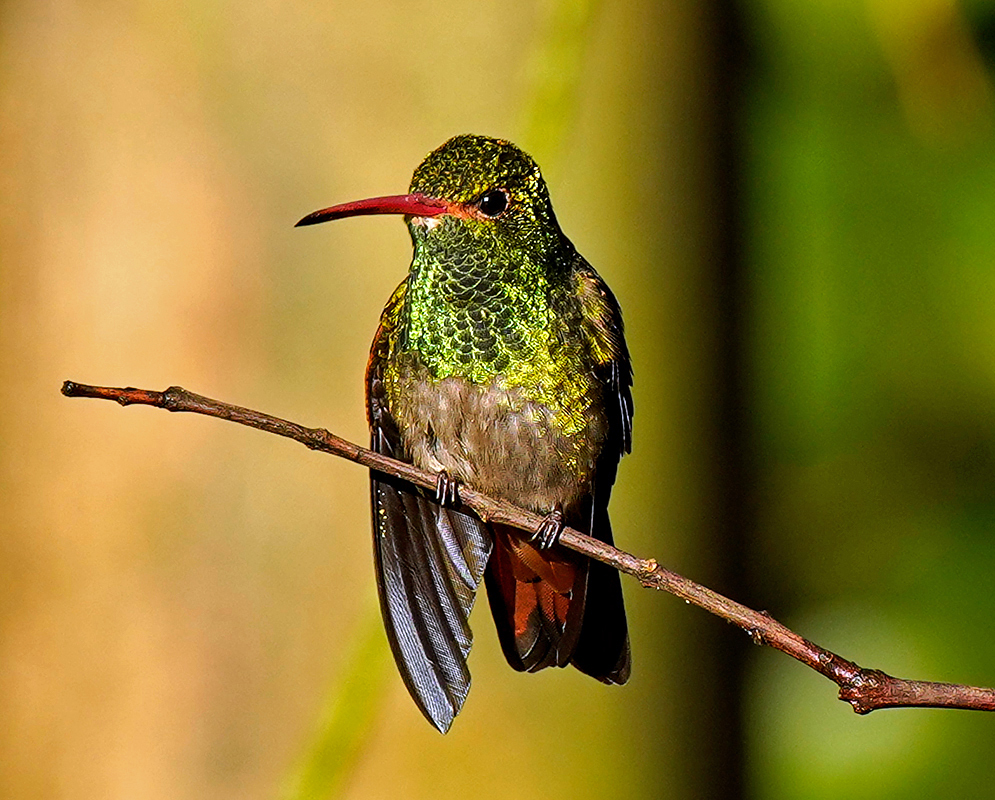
(499, 363)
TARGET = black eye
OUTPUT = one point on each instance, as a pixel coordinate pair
(493, 203)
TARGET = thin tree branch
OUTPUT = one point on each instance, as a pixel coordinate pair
(864, 689)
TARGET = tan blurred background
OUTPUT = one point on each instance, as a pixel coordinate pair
(792, 201)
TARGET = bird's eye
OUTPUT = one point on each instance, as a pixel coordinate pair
(493, 203)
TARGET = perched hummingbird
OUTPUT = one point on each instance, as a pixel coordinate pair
(499, 363)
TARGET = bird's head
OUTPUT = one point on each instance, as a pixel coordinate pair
(473, 192)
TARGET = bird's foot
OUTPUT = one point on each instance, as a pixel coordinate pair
(446, 490)
(548, 533)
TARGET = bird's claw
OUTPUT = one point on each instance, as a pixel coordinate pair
(548, 532)
(446, 490)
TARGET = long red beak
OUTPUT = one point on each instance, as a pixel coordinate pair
(413, 205)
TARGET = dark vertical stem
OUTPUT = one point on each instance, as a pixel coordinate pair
(734, 519)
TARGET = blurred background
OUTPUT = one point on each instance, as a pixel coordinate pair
(795, 205)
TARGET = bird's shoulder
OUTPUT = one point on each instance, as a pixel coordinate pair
(381, 351)
(601, 319)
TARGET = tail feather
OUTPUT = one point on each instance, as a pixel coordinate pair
(556, 609)
(602, 650)
(537, 602)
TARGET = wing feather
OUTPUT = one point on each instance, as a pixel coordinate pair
(602, 649)
(429, 562)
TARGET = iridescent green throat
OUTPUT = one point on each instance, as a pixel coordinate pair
(478, 309)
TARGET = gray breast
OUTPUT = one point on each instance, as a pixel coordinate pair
(496, 440)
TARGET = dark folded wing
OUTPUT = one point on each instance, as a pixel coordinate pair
(429, 563)
(602, 649)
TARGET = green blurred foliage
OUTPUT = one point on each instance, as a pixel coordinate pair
(871, 201)
(344, 725)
